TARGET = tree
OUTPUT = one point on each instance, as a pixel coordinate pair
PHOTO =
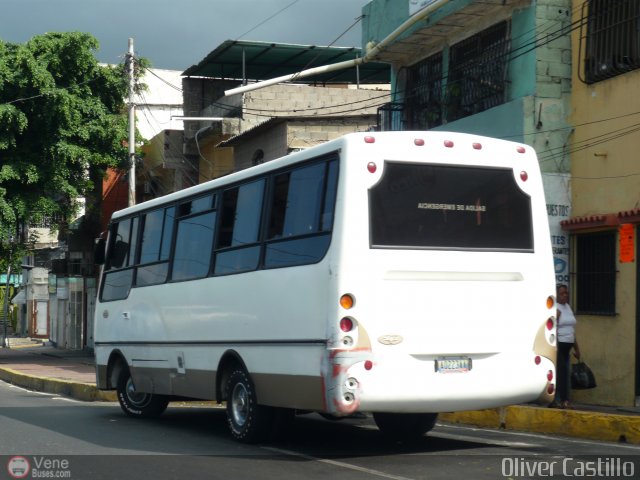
(62, 124)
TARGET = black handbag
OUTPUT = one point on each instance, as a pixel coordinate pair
(582, 377)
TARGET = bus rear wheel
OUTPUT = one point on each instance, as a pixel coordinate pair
(248, 421)
(405, 426)
(138, 404)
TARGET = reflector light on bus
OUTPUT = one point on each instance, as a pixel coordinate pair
(448, 143)
(419, 142)
(372, 167)
(346, 324)
(477, 146)
(521, 150)
(550, 389)
(368, 365)
(537, 360)
(347, 301)
(550, 301)
(524, 176)
(369, 139)
(550, 323)
(550, 375)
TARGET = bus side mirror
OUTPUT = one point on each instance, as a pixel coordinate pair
(99, 251)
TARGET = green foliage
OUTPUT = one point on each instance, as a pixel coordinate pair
(62, 119)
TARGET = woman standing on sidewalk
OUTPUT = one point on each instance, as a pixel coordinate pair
(566, 333)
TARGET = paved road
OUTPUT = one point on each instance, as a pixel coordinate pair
(95, 440)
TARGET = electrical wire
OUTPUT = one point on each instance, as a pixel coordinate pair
(267, 19)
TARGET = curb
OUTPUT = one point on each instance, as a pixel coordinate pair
(606, 427)
(86, 392)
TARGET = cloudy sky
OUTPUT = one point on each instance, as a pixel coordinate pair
(175, 34)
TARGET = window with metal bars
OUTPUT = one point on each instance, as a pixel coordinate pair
(476, 81)
(611, 43)
(595, 273)
(424, 94)
(477, 72)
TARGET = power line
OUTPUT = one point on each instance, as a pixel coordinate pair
(267, 19)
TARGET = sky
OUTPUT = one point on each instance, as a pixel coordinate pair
(175, 34)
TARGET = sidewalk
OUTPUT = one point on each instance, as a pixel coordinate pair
(44, 368)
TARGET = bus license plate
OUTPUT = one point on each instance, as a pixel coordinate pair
(453, 364)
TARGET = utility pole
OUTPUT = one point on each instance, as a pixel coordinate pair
(132, 126)
(5, 343)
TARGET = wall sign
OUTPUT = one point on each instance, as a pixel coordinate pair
(627, 234)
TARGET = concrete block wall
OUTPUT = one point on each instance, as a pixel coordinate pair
(305, 100)
(199, 95)
(546, 120)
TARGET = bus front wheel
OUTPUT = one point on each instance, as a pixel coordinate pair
(405, 426)
(248, 421)
(138, 404)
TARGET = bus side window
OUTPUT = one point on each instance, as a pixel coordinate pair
(119, 251)
(194, 244)
(301, 214)
(240, 229)
(118, 279)
(155, 243)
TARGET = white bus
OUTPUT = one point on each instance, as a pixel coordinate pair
(400, 274)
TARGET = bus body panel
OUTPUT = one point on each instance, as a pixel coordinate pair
(415, 307)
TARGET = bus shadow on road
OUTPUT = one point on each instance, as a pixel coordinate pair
(316, 436)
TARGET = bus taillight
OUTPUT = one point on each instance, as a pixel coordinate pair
(372, 167)
(524, 176)
(550, 323)
(550, 389)
(346, 324)
(550, 375)
(538, 359)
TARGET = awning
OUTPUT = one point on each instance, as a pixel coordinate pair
(607, 220)
(235, 59)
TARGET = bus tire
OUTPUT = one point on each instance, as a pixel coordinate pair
(405, 426)
(136, 404)
(248, 422)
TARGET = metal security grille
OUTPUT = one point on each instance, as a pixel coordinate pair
(391, 117)
(477, 72)
(596, 273)
(612, 38)
(424, 94)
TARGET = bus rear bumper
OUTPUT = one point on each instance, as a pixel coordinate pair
(413, 385)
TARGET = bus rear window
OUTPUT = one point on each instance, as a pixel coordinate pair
(449, 207)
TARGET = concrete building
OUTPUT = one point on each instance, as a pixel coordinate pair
(281, 117)
(606, 196)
